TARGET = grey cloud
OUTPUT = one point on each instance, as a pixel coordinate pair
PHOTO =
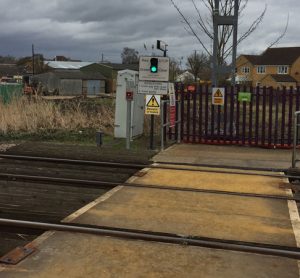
(84, 29)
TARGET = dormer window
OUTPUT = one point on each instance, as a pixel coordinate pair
(282, 69)
(261, 69)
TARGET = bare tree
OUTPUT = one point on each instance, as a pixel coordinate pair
(129, 56)
(174, 69)
(39, 65)
(204, 25)
(198, 65)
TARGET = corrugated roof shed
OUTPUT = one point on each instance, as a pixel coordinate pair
(67, 65)
(118, 67)
(75, 74)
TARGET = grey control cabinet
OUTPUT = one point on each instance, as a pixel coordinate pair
(128, 80)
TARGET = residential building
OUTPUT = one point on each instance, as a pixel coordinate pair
(185, 76)
(276, 67)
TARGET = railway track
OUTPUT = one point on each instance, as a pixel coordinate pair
(29, 171)
(48, 199)
(109, 185)
(242, 246)
(157, 165)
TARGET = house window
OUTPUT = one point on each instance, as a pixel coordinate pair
(245, 70)
(261, 69)
(282, 70)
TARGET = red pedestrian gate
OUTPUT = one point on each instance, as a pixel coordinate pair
(266, 119)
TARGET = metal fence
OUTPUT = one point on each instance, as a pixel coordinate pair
(10, 91)
(266, 120)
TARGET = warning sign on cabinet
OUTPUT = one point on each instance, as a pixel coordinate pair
(152, 105)
(218, 96)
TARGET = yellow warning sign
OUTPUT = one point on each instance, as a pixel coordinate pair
(218, 93)
(218, 96)
(152, 105)
(152, 102)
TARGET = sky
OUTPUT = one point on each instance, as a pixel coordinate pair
(88, 29)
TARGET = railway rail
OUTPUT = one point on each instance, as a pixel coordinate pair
(110, 185)
(160, 165)
(131, 234)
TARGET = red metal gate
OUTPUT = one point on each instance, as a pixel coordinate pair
(267, 120)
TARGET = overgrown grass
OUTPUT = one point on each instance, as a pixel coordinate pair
(22, 118)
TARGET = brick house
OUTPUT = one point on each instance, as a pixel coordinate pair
(276, 67)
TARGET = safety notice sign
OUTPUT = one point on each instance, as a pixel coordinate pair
(218, 96)
(152, 105)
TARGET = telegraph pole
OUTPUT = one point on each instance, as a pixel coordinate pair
(33, 69)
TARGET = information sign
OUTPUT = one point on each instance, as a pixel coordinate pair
(244, 97)
(153, 88)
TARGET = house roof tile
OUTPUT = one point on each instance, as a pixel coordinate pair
(283, 78)
(279, 56)
(276, 56)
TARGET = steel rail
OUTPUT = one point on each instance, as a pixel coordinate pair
(106, 184)
(260, 169)
(74, 161)
(265, 249)
(136, 166)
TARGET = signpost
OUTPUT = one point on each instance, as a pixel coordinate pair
(172, 105)
(153, 82)
(218, 96)
(129, 99)
(153, 88)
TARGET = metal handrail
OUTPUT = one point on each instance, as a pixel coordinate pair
(296, 130)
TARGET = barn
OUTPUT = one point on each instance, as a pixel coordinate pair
(72, 82)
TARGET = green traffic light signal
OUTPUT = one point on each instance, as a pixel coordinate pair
(153, 69)
(153, 65)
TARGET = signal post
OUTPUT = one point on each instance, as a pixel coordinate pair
(153, 82)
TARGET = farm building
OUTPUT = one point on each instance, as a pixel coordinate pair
(107, 70)
(110, 72)
(72, 82)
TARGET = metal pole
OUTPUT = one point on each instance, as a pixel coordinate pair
(152, 132)
(234, 45)
(33, 69)
(162, 125)
(128, 125)
(295, 139)
(215, 45)
(179, 123)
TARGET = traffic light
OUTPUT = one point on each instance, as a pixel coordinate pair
(154, 65)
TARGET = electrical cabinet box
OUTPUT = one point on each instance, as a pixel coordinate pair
(127, 81)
